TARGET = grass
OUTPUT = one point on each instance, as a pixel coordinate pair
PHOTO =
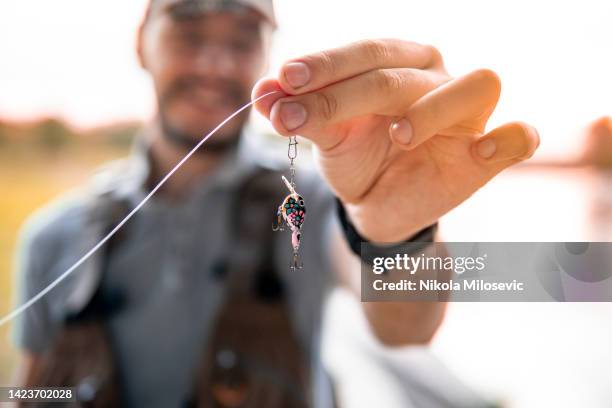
(29, 178)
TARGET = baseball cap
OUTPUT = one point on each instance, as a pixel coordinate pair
(189, 7)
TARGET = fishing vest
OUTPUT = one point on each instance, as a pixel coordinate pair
(253, 357)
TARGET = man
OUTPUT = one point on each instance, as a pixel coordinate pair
(398, 141)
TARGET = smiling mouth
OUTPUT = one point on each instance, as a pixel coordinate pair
(209, 99)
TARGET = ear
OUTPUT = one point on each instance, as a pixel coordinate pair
(140, 44)
(267, 35)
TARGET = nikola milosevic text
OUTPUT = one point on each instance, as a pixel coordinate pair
(423, 264)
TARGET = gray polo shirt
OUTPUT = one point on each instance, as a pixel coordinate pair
(163, 266)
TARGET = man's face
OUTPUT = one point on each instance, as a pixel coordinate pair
(203, 68)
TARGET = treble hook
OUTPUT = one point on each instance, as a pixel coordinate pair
(297, 262)
(277, 224)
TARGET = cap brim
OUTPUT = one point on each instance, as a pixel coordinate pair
(193, 8)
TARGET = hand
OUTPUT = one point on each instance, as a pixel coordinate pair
(398, 139)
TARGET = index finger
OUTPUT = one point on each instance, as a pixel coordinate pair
(315, 71)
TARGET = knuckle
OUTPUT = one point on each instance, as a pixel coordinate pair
(435, 55)
(376, 51)
(324, 62)
(489, 80)
(388, 80)
(327, 105)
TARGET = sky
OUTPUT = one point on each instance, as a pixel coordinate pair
(76, 59)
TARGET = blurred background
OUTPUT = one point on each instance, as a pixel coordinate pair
(72, 96)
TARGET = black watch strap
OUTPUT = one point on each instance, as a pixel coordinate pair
(417, 242)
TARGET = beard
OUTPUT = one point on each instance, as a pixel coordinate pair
(215, 145)
(188, 141)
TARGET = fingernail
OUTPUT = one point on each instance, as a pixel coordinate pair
(297, 74)
(486, 149)
(402, 131)
(292, 115)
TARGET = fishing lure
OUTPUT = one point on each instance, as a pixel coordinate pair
(292, 210)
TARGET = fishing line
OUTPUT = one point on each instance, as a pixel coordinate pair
(108, 236)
